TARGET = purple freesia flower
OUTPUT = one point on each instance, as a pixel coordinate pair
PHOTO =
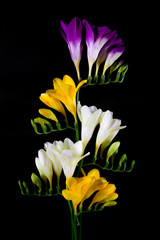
(72, 34)
(110, 52)
(96, 37)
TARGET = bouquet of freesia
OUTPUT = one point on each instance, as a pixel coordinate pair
(104, 49)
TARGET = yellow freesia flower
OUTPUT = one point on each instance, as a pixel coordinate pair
(65, 91)
(48, 114)
(79, 189)
(97, 184)
(53, 103)
(106, 195)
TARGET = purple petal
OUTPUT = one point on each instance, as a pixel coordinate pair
(74, 31)
(100, 32)
(118, 49)
(63, 30)
(113, 42)
(89, 32)
(113, 55)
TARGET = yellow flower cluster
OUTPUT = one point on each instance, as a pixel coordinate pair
(64, 92)
(80, 189)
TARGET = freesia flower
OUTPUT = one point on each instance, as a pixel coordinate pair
(44, 166)
(89, 117)
(65, 91)
(97, 183)
(96, 37)
(77, 188)
(52, 102)
(109, 128)
(48, 114)
(80, 189)
(106, 195)
(107, 49)
(112, 56)
(72, 34)
(67, 153)
(55, 161)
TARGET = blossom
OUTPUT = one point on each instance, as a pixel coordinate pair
(114, 47)
(89, 117)
(96, 37)
(105, 195)
(65, 91)
(67, 154)
(48, 114)
(44, 166)
(72, 34)
(77, 188)
(97, 183)
(80, 189)
(112, 56)
(109, 128)
(52, 102)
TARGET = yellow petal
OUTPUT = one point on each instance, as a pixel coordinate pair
(94, 173)
(67, 194)
(48, 114)
(112, 197)
(68, 80)
(67, 96)
(53, 103)
(103, 193)
(97, 185)
(71, 182)
(110, 204)
(57, 82)
(80, 84)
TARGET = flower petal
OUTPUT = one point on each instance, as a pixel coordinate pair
(68, 80)
(63, 30)
(48, 114)
(53, 103)
(71, 182)
(74, 30)
(67, 194)
(80, 84)
(89, 33)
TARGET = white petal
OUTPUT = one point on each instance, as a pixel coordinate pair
(85, 113)
(40, 170)
(79, 111)
(89, 127)
(55, 161)
(77, 148)
(68, 143)
(46, 164)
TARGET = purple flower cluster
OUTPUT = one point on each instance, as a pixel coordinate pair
(103, 45)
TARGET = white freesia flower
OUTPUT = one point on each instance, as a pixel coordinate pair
(55, 161)
(68, 154)
(44, 166)
(89, 117)
(109, 128)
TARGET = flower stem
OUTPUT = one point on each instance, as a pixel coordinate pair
(73, 222)
(77, 131)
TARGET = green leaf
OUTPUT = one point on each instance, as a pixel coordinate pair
(112, 149)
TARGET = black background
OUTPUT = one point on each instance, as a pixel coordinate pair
(32, 53)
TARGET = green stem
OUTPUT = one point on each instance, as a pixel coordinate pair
(71, 213)
(80, 227)
(77, 131)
